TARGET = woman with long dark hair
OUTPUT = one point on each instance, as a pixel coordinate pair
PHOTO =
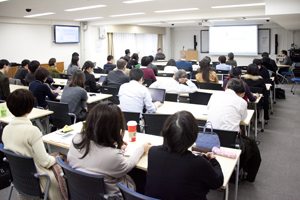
(205, 73)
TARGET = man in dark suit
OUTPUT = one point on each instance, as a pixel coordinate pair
(116, 78)
(127, 54)
(271, 61)
(109, 66)
(182, 64)
(22, 72)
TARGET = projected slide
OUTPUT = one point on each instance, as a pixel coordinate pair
(241, 40)
(66, 34)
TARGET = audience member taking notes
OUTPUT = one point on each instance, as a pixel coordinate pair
(205, 73)
(4, 82)
(89, 77)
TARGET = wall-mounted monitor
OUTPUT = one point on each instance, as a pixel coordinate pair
(66, 34)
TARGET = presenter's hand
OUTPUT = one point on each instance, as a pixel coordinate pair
(146, 146)
(158, 104)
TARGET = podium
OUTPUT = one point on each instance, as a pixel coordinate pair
(191, 55)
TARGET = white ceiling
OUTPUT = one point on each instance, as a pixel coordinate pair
(16, 9)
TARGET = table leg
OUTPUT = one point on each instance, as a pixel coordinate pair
(262, 120)
(40, 126)
(226, 192)
(47, 125)
(271, 102)
(237, 179)
(255, 129)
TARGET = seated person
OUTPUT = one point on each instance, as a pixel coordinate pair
(116, 78)
(253, 79)
(41, 90)
(230, 60)
(160, 55)
(151, 66)
(263, 71)
(236, 73)
(4, 82)
(127, 54)
(89, 77)
(171, 66)
(182, 64)
(98, 149)
(73, 66)
(126, 71)
(286, 59)
(174, 172)
(205, 73)
(148, 73)
(269, 61)
(134, 60)
(134, 96)
(76, 96)
(175, 84)
(209, 61)
(33, 66)
(52, 67)
(22, 72)
(222, 65)
(21, 137)
(109, 66)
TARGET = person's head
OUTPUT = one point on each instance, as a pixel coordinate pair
(257, 62)
(25, 63)
(52, 62)
(88, 66)
(78, 79)
(235, 72)
(207, 58)
(121, 64)
(151, 58)
(266, 60)
(75, 54)
(4, 65)
(33, 65)
(205, 69)
(230, 56)
(180, 131)
(41, 74)
(110, 59)
(125, 58)
(180, 74)
(159, 50)
(105, 126)
(145, 61)
(222, 59)
(237, 85)
(171, 62)
(20, 102)
(135, 56)
(252, 69)
(182, 55)
(265, 54)
(75, 60)
(136, 74)
(283, 53)
(127, 52)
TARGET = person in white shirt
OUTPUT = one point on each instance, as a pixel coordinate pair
(175, 84)
(134, 96)
(171, 66)
(222, 65)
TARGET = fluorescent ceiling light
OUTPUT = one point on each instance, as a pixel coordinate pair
(257, 18)
(176, 10)
(3, 0)
(149, 24)
(41, 14)
(128, 14)
(180, 22)
(136, 1)
(221, 20)
(240, 5)
(85, 19)
(86, 8)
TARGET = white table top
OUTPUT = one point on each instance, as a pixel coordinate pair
(15, 87)
(60, 81)
(94, 98)
(227, 164)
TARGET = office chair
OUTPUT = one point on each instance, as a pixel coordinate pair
(65, 76)
(82, 185)
(165, 74)
(113, 91)
(196, 83)
(171, 97)
(147, 82)
(61, 115)
(295, 80)
(210, 86)
(220, 77)
(24, 175)
(15, 81)
(132, 195)
(132, 116)
(288, 73)
(201, 98)
(219, 71)
(154, 123)
(98, 70)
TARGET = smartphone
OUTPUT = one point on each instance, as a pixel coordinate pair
(91, 95)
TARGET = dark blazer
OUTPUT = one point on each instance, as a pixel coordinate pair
(115, 79)
(40, 91)
(182, 64)
(4, 86)
(154, 68)
(108, 67)
(91, 82)
(21, 74)
(132, 64)
(287, 60)
(264, 73)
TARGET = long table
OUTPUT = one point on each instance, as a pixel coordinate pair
(93, 97)
(227, 164)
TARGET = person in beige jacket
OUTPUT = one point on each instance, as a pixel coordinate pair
(98, 148)
(21, 137)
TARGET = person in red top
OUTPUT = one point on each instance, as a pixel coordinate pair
(149, 74)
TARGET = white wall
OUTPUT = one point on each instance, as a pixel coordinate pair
(33, 40)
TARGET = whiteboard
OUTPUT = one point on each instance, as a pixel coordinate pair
(204, 41)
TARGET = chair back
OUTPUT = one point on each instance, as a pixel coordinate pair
(97, 70)
(82, 185)
(60, 116)
(113, 91)
(23, 173)
(171, 97)
(214, 64)
(132, 195)
(54, 75)
(210, 86)
(196, 83)
(154, 123)
(132, 116)
(148, 82)
(201, 98)
(15, 81)
(219, 71)
(220, 77)
(165, 74)
(65, 76)
(296, 72)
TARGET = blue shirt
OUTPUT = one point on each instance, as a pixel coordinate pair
(223, 66)
(182, 64)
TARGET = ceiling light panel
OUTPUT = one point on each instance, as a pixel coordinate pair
(85, 8)
(262, 18)
(86, 19)
(38, 15)
(181, 22)
(136, 1)
(176, 10)
(239, 5)
(128, 14)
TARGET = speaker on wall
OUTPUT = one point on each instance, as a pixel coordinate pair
(195, 43)
(276, 44)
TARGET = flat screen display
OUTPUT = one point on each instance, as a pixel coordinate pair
(157, 94)
(240, 40)
(66, 34)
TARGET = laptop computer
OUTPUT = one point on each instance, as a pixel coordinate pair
(101, 79)
(157, 94)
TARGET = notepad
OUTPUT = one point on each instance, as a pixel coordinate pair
(130, 149)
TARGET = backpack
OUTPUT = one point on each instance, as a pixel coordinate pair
(280, 93)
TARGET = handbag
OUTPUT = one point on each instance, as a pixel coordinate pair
(208, 139)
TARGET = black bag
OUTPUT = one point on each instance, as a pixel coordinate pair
(280, 93)
(5, 177)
